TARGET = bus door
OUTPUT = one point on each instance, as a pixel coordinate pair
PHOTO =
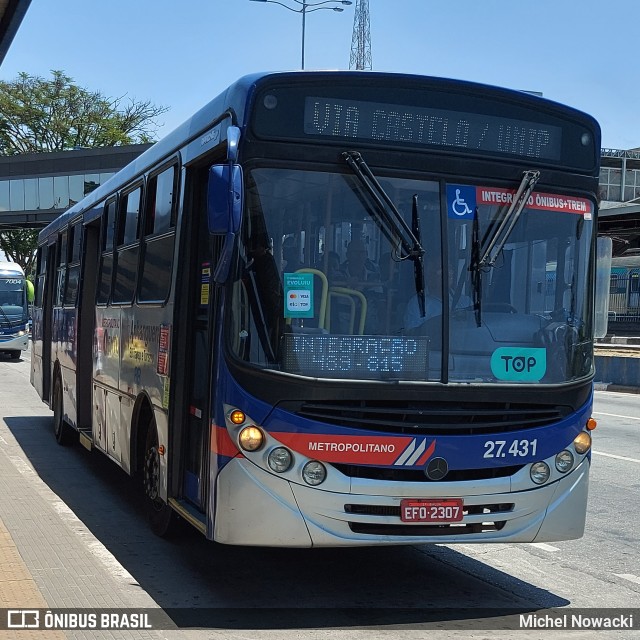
(199, 318)
(47, 320)
(86, 323)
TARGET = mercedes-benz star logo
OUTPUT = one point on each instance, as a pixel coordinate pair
(437, 469)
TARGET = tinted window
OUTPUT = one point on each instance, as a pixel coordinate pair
(156, 270)
(109, 227)
(73, 271)
(106, 259)
(155, 279)
(129, 215)
(161, 203)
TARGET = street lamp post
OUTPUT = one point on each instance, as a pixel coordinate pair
(308, 7)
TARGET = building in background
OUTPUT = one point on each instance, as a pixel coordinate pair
(36, 188)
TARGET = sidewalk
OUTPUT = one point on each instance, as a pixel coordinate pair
(48, 557)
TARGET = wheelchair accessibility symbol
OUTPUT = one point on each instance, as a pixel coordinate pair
(461, 201)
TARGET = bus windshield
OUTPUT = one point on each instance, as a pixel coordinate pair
(13, 300)
(322, 291)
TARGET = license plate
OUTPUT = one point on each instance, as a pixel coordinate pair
(438, 510)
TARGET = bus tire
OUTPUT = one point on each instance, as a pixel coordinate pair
(160, 515)
(61, 429)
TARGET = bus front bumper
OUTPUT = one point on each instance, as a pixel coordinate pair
(257, 508)
(14, 342)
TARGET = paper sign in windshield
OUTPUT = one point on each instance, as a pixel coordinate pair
(463, 199)
(540, 201)
(298, 295)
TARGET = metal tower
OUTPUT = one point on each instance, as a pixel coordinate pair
(361, 40)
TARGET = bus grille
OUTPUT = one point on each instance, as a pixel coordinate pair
(491, 523)
(418, 475)
(394, 510)
(434, 418)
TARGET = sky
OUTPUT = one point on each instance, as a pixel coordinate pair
(182, 54)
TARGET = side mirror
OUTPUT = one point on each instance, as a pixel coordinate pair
(224, 211)
(224, 198)
(603, 280)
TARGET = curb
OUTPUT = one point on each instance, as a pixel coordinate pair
(609, 386)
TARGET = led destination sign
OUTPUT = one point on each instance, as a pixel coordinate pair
(395, 123)
(356, 357)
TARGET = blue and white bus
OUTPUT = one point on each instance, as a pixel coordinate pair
(14, 310)
(250, 316)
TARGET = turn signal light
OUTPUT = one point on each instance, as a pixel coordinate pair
(591, 424)
(237, 416)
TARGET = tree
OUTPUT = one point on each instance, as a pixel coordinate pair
(19, 246)
(39, 114)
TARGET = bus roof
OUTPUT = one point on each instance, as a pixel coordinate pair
(233, 101)
(11, 268)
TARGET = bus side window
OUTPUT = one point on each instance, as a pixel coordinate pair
(159, 233)
(62, 269)
(42, 270)
(128, 246)
(106, 259)
(73, 268)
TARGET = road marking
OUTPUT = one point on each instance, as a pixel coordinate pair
(628, 576)
(22, 466)
(108, 560)
(544, 546)
(615, 415)
(610, 455)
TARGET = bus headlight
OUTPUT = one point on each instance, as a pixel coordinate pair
(564, 461)
(582, 442)
(540, 472)
(314, 473)
(279, 459)
(251, 438)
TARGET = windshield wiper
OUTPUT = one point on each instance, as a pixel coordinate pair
(389, 220)
(502, 233)
(418, 264)
(487, 260)
(6, 317)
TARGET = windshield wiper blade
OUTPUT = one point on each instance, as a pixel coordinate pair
(502, 233)
(384, 211)
(418, 263)
(476, 273)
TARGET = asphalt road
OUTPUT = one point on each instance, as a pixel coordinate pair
(382, 585)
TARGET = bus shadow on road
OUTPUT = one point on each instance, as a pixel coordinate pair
(201, 584)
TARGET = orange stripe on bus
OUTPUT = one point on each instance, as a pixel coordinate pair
(221, 442)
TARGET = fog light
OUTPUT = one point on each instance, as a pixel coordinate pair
(540, 472)
(314, 473)
(564, 461)
(251, 438)
(582, 442)
(280, 459)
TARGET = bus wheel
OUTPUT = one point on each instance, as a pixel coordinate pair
(159, 514)
(60, 428)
